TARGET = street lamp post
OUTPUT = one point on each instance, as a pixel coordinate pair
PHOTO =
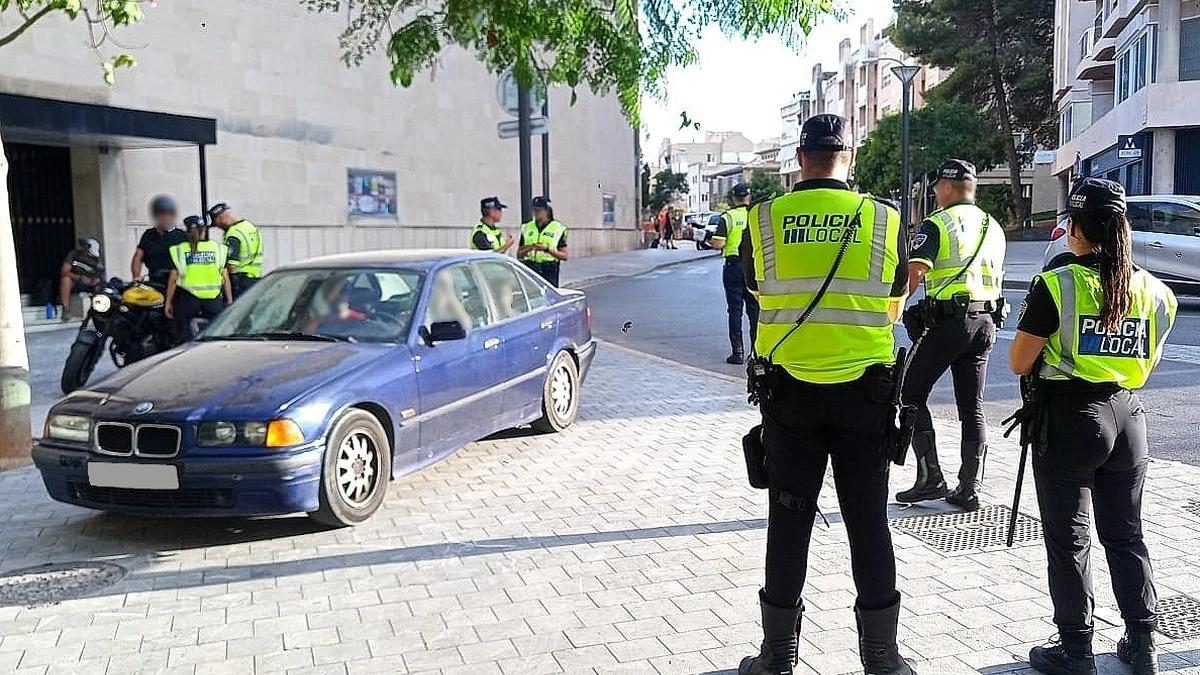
(906, 75)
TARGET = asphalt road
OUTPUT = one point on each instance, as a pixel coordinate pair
(679, 313)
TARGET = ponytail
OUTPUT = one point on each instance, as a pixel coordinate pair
(1116, 270)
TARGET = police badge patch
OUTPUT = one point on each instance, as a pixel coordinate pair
(919, 240)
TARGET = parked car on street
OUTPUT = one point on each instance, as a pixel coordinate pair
(703, 235)
(326, 380)
(1166, 239)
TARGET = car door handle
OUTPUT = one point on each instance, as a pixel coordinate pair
(492, 343)
(547, 324)
(1155, 244)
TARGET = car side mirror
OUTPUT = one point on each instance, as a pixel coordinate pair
(443, 331)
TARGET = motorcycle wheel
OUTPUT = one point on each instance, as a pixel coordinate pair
(80, 364)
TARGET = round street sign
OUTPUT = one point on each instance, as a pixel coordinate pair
(506, 95)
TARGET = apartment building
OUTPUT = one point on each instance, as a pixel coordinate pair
(1125, 71)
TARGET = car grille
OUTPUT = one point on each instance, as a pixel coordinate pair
(187, 498)
(145, 440)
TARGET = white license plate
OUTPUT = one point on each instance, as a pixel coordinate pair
(133, 476)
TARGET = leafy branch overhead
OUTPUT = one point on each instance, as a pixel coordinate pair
(100, 16)
(625, 46)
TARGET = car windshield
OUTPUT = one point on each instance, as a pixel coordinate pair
(351, 305)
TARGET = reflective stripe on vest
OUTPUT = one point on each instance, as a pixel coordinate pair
(1081, 349)
(550, 236)
(200, 271)
(960, 228)
(796, 238)
(492, 233)
(250, 254)
(735, 224)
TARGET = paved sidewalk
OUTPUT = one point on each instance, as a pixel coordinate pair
(629, 544)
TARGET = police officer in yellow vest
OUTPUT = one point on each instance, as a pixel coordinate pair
(958, 253)
(728, 238)
(486, 235)
(199, 284)
(244, 245)
(543, 242)
(1091, 331)
(821, 373)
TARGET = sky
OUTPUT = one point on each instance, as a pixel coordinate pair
(740, 86)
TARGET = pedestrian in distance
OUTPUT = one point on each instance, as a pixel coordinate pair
(1090, 333)
(668, 238)
(199, 285)
(728, 238)
(486, 235)
(153, 252)
(958, 254)
(244, 245)
(543, 242)
(830, 268)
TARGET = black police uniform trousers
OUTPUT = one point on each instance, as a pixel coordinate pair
(737, 298)
(188, 307)
(546, 270)
(963, 347)
(804, 426)
(1094, 450)
(240, 283)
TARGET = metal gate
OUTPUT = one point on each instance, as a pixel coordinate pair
(43, 210)
(1187, 164)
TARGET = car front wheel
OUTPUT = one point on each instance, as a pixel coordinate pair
(357, 470)
(560, 395)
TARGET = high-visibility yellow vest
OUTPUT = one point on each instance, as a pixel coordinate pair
(735, 224)
(549, 235)
(200, 271)
(960, 228)
(796, 238)
(250, 251)
(494, 235)
(1082, 349)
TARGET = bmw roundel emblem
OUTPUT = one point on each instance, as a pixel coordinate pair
(143, 408)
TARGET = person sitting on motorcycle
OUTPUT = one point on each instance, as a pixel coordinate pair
(154, 249)
(82, 272)
(198, 281)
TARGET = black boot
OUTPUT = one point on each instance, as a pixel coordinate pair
(930, 482)
(970, 477)
(1070, 655)
(1137, 649)
(877, 641)
(738, 357)
(781, 639)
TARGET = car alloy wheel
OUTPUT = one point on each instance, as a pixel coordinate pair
(560, 395)
(562, 390)
(357, 469)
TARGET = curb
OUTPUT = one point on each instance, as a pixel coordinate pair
(601, 278)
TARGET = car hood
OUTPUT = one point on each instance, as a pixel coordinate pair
(241, 378)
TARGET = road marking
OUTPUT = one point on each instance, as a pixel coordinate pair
(1189, 354)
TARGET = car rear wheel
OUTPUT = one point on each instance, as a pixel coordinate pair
(560, 395)
(357, 470)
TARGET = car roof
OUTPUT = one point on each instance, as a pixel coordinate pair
(1160, 198)
(413, 258)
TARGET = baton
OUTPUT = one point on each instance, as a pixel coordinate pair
(1012, 518)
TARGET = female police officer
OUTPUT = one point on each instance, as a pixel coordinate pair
(1097, 326)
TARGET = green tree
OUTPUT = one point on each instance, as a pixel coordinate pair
(1002, 54)
(625, 46)
(938, 131)
(763, 185)
(668, 185)
(19, 17)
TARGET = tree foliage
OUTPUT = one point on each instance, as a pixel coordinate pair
(763, 185)
(100, 15)
(668, 185)
(625, 46)
(938, 131)
(1002, 54)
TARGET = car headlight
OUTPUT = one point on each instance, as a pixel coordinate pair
(255, 433)
(101, 303)
(216, 433)
(76, 428)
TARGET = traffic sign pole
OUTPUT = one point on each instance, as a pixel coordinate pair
(546, 148)
(523, 133)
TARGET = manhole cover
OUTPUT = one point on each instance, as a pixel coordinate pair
(976, 530)
(52, 583)
(1193, 507)
(1179, 617)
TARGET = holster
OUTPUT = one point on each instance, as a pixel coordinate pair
(756, 458)
(883, 384)
(1001, 314)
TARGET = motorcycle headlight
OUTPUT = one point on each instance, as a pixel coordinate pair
(101, 303)
(76, 428)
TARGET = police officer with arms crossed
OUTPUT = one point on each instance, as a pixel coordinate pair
(486, 235)
(199, 284)
(544, 242)
(728, 238)
(959, 254)
(1091, 331)
(818, 383)
(244, 245)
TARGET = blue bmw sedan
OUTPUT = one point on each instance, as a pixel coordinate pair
(326, 380)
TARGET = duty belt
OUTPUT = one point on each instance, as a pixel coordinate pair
(734, 257)
(949, 307)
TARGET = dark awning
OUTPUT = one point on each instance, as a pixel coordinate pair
(29, 119)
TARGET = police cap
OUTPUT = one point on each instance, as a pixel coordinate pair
(741, 190)
(491, 203)
(217, 209)
(1096, 196)
(541, 202)
(955, 169)
(825, 133)
(193, 222)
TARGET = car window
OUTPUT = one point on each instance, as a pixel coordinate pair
(535, 293)
(508, 296)
(1175, 219)
(456, 297)
(1139, 217)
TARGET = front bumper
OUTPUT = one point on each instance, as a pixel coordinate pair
(230, 486)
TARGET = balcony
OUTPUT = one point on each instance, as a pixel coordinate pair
(1117, 14)
(1095, 57)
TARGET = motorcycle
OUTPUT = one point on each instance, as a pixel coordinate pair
(130, 319)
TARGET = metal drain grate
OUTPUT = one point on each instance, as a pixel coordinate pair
(1193, 507)
(54, 582)
(1179, 617)
(970, 531)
